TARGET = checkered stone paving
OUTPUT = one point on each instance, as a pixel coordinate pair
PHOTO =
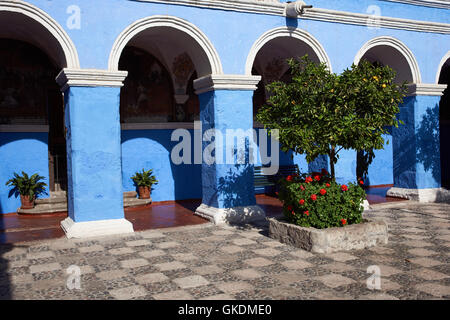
(230, 262)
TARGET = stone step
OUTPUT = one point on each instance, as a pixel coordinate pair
(51, 200)
(134, 202)
(130, 194)
(55, 204)
(45, 208)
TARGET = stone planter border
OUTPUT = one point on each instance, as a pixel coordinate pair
(357, 236)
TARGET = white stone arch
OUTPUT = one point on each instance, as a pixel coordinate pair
(441, 64)
(399, 46)
(165, 21)
(294, 33)
(42, 18)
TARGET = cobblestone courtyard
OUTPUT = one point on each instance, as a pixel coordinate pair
(210, 262)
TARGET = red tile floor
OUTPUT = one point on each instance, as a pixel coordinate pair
(18, 228)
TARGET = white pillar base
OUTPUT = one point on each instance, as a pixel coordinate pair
(95, 228)
(239, 215)
(421, 195)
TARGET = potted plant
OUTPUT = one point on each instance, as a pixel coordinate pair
(144, 181)
(28, 188)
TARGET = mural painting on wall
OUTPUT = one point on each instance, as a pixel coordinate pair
(184, 72)
(274, 71)
(147, 94)
(26, 76)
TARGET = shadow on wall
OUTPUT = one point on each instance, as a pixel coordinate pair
(234, 189)
(151, 149)
(404, 147)
(428, 146)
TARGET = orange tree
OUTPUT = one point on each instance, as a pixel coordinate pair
(322, 113)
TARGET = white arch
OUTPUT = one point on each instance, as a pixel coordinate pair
(41, 17)
(399, 46)
(441, 64)
(295, 33)
(164, 21)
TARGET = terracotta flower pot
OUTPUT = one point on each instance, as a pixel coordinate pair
(144, 193)
(27, 203)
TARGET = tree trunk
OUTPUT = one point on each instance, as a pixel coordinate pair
(332, 155)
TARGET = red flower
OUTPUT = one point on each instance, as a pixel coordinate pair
(302, 202)
(361, 182)
(276, 193)
(323, 191)
(289, 208)
(344, 222)
(293, 213)
(313, 197)
(306, 212)
(324, 172)
(302, 187)
(344, 187)
(317, 178)
(289, 178)
(308, 179)
(328, 185)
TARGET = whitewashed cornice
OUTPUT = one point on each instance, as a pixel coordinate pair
(426, 89)
(427, 3)
(226, 82)
(278, 8)
(90, 78)
(384, 22)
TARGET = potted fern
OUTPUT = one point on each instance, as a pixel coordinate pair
(144, 181)
(28, 188)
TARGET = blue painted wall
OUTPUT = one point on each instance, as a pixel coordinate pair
(381, 170)
(340, 41)
(21, 152)
(150, 149)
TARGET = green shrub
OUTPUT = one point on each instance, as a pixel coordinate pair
(144, 178)
(317, 201)
(27, 186)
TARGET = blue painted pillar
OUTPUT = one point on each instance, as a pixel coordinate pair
(226, 110)
(92, 120)
(416, 146)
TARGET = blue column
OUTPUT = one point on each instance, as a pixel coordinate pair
(94, 154)
(416, 149)
(227, 185)
(416, 144)
(94, 171)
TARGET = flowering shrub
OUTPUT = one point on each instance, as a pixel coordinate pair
(316, 200)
